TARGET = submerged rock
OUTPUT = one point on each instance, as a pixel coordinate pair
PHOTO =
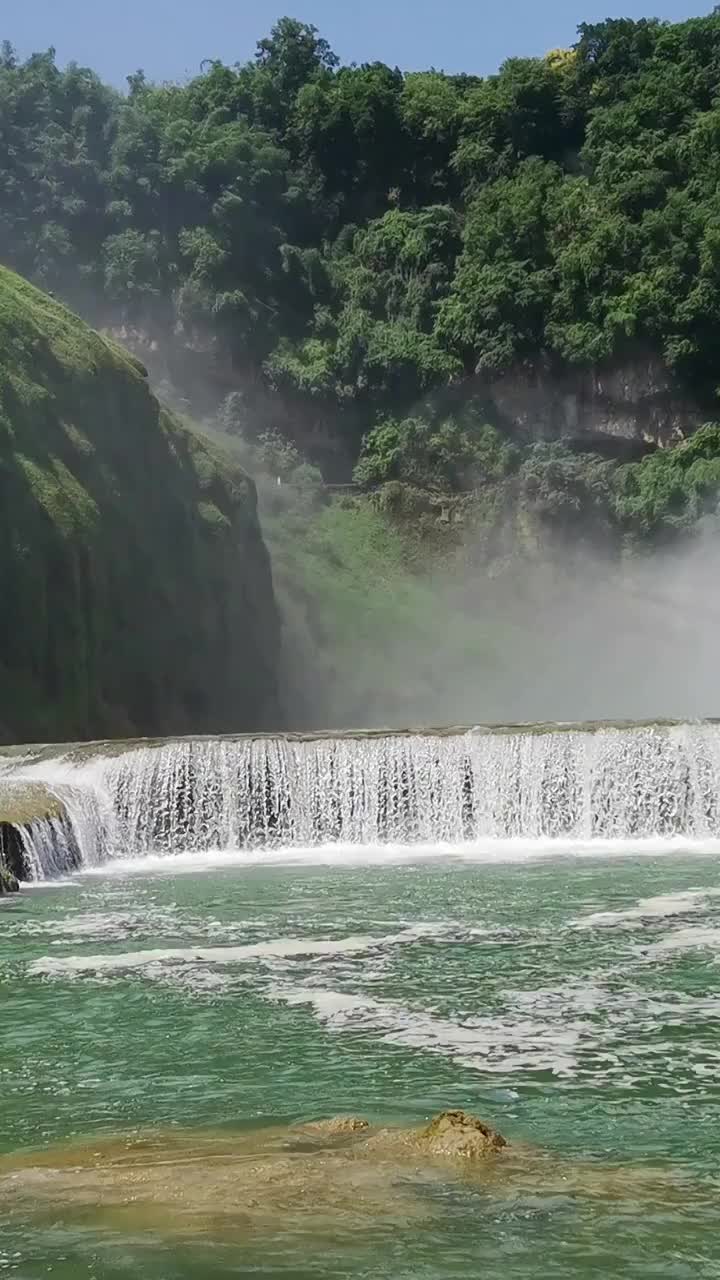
(332, 1179)
(337, 1127)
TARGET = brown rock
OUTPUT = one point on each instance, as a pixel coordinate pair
(458, 1133)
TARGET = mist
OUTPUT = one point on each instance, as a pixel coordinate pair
(569, 635)
(590, 638)
(555, 627)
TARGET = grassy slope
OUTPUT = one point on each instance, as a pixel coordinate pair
(369, 639)
(135, 584)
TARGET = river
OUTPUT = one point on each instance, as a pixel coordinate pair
(565, 990)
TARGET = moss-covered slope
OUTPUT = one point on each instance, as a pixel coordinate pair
(135, 587)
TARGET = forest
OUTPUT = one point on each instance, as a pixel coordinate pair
(356, 253)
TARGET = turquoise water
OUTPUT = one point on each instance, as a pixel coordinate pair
(572, 1003)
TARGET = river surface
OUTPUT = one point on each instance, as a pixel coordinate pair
(572, 1002)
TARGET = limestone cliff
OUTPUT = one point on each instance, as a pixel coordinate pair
(623, 407)
(135, 585)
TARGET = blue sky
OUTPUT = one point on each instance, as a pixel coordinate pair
(170, 38)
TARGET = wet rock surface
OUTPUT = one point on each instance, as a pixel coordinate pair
(329, 1178)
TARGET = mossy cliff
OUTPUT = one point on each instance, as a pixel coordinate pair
(135, 585)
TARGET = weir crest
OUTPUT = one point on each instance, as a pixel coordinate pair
(585, 783)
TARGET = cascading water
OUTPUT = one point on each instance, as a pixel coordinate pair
(633, 782)
(62, 814)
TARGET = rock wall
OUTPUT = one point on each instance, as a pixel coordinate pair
(136, 588)
(625, 407)
(633, 405)
(11, 858)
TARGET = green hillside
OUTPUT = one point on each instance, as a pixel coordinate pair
(135, 586)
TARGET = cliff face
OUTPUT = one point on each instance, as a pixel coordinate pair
(135, 586)
(624, 406)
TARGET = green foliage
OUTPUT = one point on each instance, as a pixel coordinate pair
(345, 242)
(672, 488)
(524, 111)
(209, 191)
(292, 56)
(290, 147)
(56, 132)
(449, 454)
(132, 269)
(571, 492)
(504, 279)
(128, 547)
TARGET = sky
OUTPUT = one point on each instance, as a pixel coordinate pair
(170, 38)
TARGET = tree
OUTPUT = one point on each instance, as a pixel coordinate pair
(350, 127)
(293, 53)
(351, 240)
(448, 453)
(495, 311)
(671, 489)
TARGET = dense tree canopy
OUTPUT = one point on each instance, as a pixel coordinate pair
(353, 239)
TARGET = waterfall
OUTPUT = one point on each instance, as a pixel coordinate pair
(61, 815)
(49, 847)
(577, 783)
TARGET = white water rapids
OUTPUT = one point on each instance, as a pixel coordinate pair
(631, 783)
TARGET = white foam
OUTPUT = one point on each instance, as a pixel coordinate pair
(490, 1043)
(554, 1029)
(101, 926)
(660, 907)
(694, 937)
(515, 850)
(276, 949)
(86, 831)
(43, 886)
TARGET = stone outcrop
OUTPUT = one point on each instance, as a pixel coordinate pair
(8, 882)
(21, 804)
(135, 583)
(12, 858)
(452, 1135)
(31, 810)
(459, 1133)
(626, 407)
